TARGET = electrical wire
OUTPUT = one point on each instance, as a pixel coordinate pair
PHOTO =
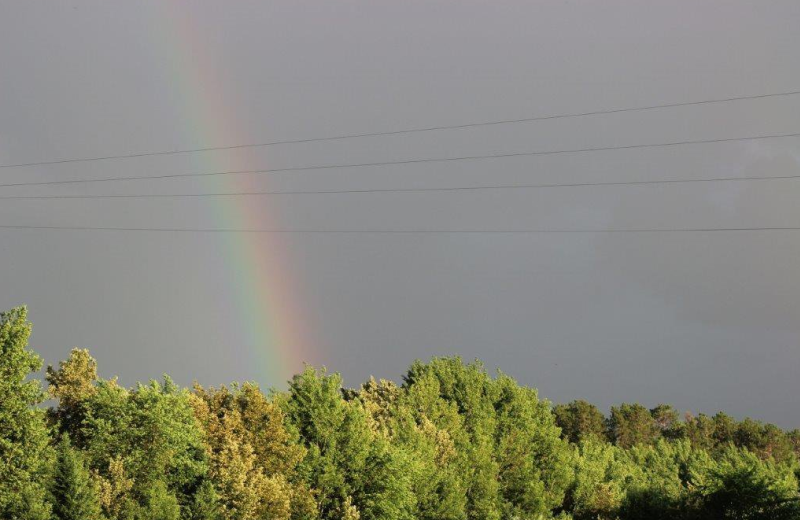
(410, 161)
(403, 231)
(403, 131)
(398, 190)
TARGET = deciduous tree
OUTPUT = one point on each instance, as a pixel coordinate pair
(24, 453)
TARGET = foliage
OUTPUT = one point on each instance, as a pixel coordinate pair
(580, 420)
(354, 470)
(252, 457)
(631, 424)
(73, 492)
(24, 453)
(452, 442)
(513, 460)
(742, 486)
(134, 441)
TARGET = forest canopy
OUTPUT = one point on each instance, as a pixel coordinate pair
(448, 442)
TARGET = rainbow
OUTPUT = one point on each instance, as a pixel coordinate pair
(262, 294)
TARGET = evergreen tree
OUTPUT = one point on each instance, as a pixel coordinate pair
(159, 504)
(74, 494)
(667, 422)
(700, 431)
(743, 486)
(579, 420)
(724, 429)
(630, 425)
(206, 503)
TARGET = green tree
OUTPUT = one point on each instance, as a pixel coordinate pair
(73, 383)
(450, 443)
(73, 492)
(743, 487)
(767, 440)
(535, 463)
(793, 438)
(667, 470)
(354, 471)
(700, 431)
(602, 475)
(514, 462)
(164, 442)
(206, 504)
(666, 421)
(159, 504)
(252, 457)
(24, 450)
(579, 420)
(724, 429)
(429, 454)
(631, 424)
(132, 440)
(448, 386)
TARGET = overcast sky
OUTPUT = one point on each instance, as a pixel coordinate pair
(705, 321)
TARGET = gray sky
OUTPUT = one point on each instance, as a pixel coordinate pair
(706, 321)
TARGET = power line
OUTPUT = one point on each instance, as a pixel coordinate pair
(403, 131)
(398, 190)
(404, 231)
(411, 161)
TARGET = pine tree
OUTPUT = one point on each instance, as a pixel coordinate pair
(206, 503)
(160, 504)
(73, 492)
(579, 420)
(632, 424)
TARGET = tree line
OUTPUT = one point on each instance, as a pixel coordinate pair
(450, 442)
